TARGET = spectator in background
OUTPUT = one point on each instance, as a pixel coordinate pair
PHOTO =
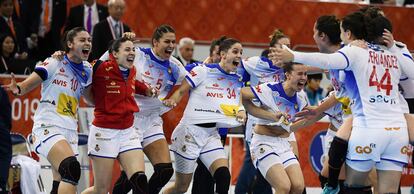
(48, 19)
(5, 141)
(11, 26)
(313, 89)
(186, 51)
(9, 64)
(86, 15)
(109, 29)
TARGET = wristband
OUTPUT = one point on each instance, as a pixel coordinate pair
(19, 92)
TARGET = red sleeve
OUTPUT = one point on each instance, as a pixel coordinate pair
(140, 88)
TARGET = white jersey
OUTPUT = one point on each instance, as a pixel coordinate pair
(372, 77)
(156, 73)
(334, 113)
(406, 84)
(61, 92)
(262, 70)
(215, 96)
(273, 98)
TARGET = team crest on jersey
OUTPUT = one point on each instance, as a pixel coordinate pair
(220, 78)
(45, 132)
(97, 134)
(147, 73)
(184, 148)
(108, 68)
(97, 148)
(113, 83)
(216, 85)
(62, 70)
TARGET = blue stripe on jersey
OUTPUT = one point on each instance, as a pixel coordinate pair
(147, 51)
(353, 93)
(255, 94)
(241, 71)
(279, 88)
(216, 65)
(190, 66)
(190, 81)
(269, 62)
(407, 55)
(44, 73)
(347, 60)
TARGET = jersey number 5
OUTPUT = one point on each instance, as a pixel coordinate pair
(384, 83)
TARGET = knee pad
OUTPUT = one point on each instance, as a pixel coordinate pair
(323, 180)
(69, 170)
(337, 152)
(139, 183)
(222, 178)
(122, 185)
(55, 187)
(162, 174)
(357, 190)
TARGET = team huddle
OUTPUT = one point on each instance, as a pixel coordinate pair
(131, 87)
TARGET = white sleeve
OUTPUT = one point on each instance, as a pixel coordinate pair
(263, 93)
(105, 56)
(196, 76)
(182, 72)
(249, 64)
(405, 61)
(342, 59)
(49, 66)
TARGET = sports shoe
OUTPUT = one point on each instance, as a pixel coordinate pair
(329, 190)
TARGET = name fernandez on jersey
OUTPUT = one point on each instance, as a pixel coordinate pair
(386, 60)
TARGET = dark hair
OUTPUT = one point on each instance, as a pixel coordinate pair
(329, 25)
(161, 30)
(226, 44)
(2, 39)
(69, 36)
(317, 76)
(116, 44)
(355, 23)
(276, 36)
(265, 53)
(288, 67)
(375, 28)
(370, 10)
(215, 43)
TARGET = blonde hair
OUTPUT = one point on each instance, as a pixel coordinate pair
(276, 36)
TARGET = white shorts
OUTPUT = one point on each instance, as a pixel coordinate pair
(109, 143)
(149, 127)
(327, 140)
(45, 137)
(189, 142)
(386, 147)
(267, 151)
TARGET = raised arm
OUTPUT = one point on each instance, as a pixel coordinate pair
(178, 94)
(247, 96)
(25, 86)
